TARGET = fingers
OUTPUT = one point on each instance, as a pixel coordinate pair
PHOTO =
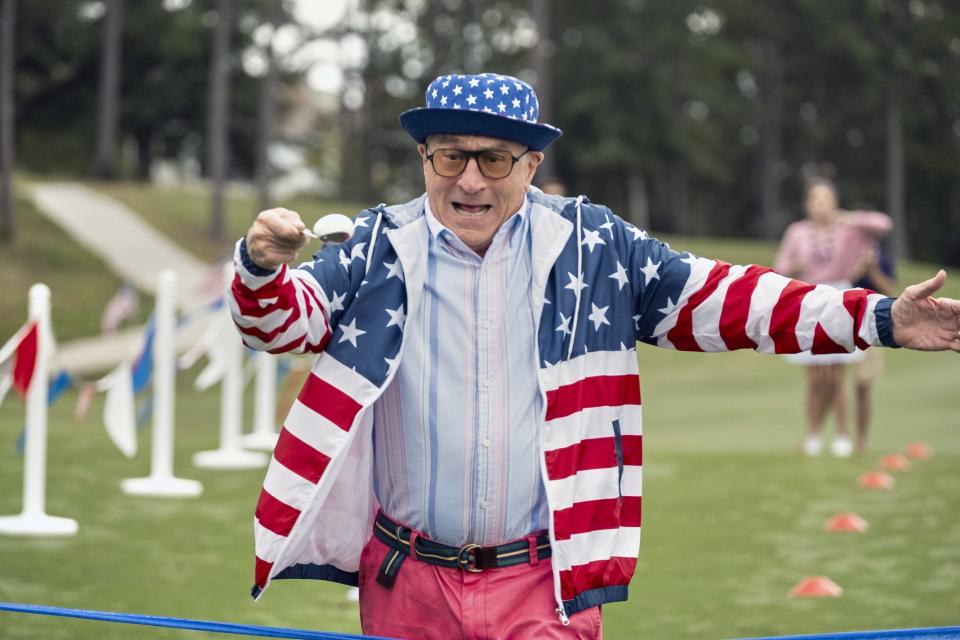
(275, 237)
(284, 225)
(926, 288)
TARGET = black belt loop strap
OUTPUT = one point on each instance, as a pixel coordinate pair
(470, 557)
(390, 568)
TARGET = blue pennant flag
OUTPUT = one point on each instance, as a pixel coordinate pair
(60, 383)
(143, 365)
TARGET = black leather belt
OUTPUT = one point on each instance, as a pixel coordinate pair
(470, 557)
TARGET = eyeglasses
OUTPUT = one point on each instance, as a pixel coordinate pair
(494, 164)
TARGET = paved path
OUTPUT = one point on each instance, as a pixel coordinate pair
(133, 250)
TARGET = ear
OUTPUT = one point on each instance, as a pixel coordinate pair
(533, 161)
(422, 150)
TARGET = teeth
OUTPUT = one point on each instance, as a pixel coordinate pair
(468, 210)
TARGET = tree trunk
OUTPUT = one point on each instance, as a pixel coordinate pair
(542, 53)
(144, 139)
(771, 132)
(104, 160)
(679, 206)
(638, 202)
(7, 20)
(895, 152)
(268, 111)
(218, 116)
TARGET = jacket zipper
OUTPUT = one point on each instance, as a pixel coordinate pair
(561, 613)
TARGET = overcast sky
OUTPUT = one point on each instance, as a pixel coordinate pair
(324, 72)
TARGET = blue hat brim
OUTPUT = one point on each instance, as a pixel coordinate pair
(424, 121)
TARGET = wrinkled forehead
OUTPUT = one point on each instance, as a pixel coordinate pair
(472, 143)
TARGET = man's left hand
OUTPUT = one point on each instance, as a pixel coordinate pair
(926, 323)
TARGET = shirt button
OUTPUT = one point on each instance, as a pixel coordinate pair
(486, 442)
(484, 505)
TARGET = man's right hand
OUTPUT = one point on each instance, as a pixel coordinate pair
(276, 237)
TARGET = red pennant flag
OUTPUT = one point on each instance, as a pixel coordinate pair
(25, 360)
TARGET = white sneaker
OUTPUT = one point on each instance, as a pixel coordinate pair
(841, 446)
(812, 446)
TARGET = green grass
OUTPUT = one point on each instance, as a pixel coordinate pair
(733, 514)
(79, 281)
(733, 517)
(184, 213)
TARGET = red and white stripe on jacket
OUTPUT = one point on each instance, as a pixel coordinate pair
(281, 312)
(595, 505)
(724, 307)
(310, 445)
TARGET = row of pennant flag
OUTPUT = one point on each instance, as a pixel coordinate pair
(121, 417)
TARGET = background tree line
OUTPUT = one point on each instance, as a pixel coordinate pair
(689, 117)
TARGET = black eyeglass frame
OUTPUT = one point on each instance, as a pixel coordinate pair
(475, 155)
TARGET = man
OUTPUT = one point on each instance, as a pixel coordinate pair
(468, 445)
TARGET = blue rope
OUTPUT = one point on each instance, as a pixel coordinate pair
(930, 633)
(177, 623)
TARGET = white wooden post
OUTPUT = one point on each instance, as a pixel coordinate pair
(33, 520)
(231, 454)
(161, 481)
(264, 434)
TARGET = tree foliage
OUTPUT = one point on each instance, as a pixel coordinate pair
(689, 116)
(164, 83)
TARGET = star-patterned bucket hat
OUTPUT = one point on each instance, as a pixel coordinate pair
(486, 104)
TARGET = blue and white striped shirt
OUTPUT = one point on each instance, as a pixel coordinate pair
(455, 433)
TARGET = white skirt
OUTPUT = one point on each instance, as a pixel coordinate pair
(822, 359)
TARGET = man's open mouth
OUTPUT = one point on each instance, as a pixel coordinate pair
(471, 209)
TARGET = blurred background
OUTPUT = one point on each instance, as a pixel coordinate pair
(691, 117)
(697, 120)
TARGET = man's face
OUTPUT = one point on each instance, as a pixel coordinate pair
(472, 205)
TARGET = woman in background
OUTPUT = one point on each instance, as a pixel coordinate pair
(876, 272)
(827, 248)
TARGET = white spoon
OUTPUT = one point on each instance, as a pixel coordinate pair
(333, 227)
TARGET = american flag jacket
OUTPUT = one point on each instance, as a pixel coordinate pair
(599, 285)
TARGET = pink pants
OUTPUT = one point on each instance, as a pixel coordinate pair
(430, 602)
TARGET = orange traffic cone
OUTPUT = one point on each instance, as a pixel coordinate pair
(847, 522)
(816, 587)
(894, 462)
(919, 451)
(876, 480)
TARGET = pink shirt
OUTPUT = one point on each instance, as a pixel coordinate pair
(830, 254)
